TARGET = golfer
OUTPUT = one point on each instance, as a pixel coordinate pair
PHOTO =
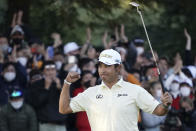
(114, 104)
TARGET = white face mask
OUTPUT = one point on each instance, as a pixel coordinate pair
(4, 47)
(140, 50)
(9, 76)
(174, 87)
(58, 65)
(16, 104)
(158, 93)
(93, 71)
(22, 60)
(185, 91)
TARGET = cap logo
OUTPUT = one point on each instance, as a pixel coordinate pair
(105, 55)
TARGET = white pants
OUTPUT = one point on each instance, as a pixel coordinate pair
(51, 127)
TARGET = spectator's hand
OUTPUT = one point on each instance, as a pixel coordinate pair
(166, 99)
(13, 20)
(88, 35)
(57, 81)
(57, 39)
(72, 77)
(12, 57)
(122, 34)
(48, 82)
(188, 41)
(116, 34)
(104, 39)
(19, 17)
(35, 62)
(187, 35)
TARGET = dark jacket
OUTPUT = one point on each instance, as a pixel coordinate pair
(23, 119)
(45, 102)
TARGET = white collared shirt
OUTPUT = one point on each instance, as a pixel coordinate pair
(114, 109)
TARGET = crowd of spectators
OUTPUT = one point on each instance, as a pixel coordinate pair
(32, 74)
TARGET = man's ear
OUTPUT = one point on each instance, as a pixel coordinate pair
(119, 67)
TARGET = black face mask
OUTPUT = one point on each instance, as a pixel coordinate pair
(17, 41)
(77, 56)
(87, 84)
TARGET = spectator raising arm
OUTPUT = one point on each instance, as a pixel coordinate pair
(88, 41)
(122, 34)
(64, 101)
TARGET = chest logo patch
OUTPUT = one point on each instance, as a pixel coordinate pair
(119, 95)
(99, 96)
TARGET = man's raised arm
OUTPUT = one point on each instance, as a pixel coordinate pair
(64, 101)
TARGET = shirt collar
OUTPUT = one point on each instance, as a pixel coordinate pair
(118, 84)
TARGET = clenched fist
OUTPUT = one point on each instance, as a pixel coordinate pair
(72, 77)
(166, 99)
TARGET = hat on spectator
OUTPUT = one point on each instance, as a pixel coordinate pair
(187, 82)
(17, 28)
(110, 57)
(70, 46)
(192, 69)
(138, 42)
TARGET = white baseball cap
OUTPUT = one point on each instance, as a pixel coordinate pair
(17, 28)
(70, 46)
(110, 57)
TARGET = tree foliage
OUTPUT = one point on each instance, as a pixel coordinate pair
(165, 20)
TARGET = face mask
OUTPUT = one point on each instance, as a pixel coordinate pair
(174, 87)
(87, 84)
(58, 65)
(93, 71)
(77, 56)
(185, 91)
(140, 50)
(9, 76)
(158, 93)
(4, 47)
(17, 41)
(22, 60)
(17, 104)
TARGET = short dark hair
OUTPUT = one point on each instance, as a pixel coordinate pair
(85, 72)
(48, 62)
(164, 58)
(34, 72)
(84, 61)
(5, 65)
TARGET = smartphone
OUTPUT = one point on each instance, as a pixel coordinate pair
(71, 59)
(50, 52)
